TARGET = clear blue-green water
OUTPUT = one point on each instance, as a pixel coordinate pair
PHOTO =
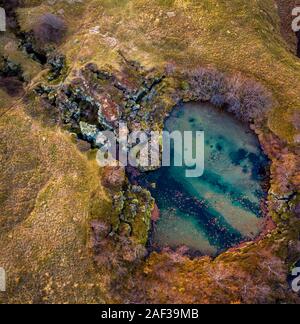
(222, 208)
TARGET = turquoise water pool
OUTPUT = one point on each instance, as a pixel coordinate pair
(222, 208)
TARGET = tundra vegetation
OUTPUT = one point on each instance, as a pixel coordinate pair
(73, 232)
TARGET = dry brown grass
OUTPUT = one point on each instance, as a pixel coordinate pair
(46, 187)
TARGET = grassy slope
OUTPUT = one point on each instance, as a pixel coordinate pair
(46, 186)
(234, 36)
(285, 8)
(44, 246)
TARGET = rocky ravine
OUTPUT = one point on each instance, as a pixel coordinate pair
(70, 231)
